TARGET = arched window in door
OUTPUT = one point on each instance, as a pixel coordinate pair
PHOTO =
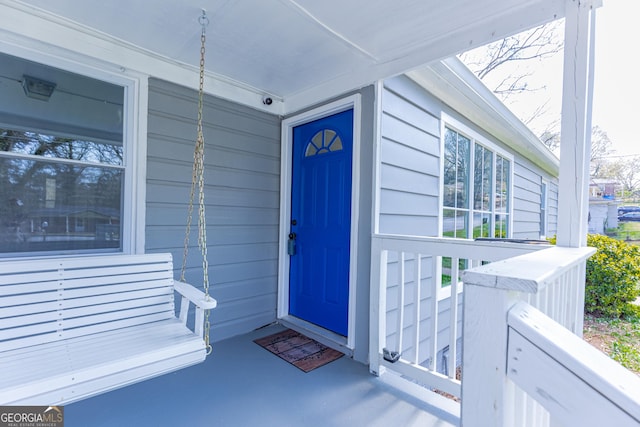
(323, 141)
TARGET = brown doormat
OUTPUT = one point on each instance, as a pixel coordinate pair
(299, 350)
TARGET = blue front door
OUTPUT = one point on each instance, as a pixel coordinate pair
(321, 221)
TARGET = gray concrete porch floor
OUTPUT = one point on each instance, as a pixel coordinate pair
(241, 384)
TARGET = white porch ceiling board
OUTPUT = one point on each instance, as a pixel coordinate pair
(166, 27)
(274, 47)
(460, 35)
(299, 51)
(390, 29)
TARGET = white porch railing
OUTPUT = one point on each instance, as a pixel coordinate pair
(416, 322)
(516, 356)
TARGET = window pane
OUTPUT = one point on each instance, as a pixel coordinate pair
(37, 144)
(481, 224)
(450, 162)
(483, 166)
(455, 223)
(503, 172)
(58, 207)
(62, 165)
(501, 228)
(462, 169)
(456, 170)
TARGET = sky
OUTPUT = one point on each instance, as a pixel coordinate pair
(616, 99)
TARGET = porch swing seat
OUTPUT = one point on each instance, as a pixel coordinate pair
(72, 328)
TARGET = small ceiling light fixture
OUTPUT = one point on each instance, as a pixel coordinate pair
(37, 88)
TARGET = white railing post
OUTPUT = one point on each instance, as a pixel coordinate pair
(546, 278)
(485, 388)
(377, 328)
(576, 383)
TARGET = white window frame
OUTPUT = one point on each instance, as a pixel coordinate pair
(135, 106)
(447, 121)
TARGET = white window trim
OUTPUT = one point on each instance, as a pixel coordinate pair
(447, 121)
(134, 125)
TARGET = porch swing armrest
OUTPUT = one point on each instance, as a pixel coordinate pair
(191, 294)
(194, 295)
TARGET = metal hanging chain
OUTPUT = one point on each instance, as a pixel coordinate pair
(197, 180)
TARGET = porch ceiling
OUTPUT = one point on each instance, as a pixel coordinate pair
(305, 48)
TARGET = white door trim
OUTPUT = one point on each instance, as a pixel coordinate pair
(343, 104)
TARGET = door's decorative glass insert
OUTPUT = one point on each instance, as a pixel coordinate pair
(323, 141)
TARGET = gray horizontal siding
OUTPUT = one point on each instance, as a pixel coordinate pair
(527, 187)
(409, 160)
(552, 208)
(242, 167)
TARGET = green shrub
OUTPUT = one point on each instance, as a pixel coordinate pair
(612, 278)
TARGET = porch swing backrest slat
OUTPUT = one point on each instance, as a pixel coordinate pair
(70, 299)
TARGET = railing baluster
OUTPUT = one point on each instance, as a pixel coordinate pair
(387, 336)
(417, 274)
(400, 330)
(453, 320)
(433, 327)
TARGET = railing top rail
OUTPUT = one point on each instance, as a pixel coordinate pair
(557, 360)
(531, 272)
(450, 247)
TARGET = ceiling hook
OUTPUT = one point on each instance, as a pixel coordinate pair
(204, 19)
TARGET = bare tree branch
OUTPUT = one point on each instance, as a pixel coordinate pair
(536, 44)
(539, 43)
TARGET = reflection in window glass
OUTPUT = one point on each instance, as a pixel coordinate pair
(456, 184)
(483, 168)
(485, 176)
(58, 206)
(35, 144)
(62, 163)
(503, 173)
(481, 224)
(456, 223)
(489, 210)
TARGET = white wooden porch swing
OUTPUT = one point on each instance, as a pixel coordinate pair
(71, 328)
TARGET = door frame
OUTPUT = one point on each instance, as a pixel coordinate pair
(286, 156)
